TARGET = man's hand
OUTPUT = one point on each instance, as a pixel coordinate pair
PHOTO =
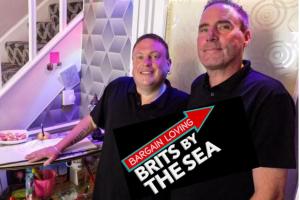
(49, 152)
(80, 131)
(269, 183)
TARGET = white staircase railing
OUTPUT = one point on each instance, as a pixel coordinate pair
(62, 14)
(32, 29)
(28, 24)
(32, 24)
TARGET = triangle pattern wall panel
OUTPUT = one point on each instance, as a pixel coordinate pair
(106, 46)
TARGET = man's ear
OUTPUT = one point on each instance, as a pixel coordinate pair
(247, 35)
(169, 64)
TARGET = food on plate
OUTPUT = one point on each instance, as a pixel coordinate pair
(12, 136)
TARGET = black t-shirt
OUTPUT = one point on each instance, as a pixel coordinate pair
(119, 106)
(270, 112)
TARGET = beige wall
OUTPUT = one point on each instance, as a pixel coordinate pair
(11, 11)
(273, 50)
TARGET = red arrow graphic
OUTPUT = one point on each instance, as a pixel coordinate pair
(198, 116)
(193, 119)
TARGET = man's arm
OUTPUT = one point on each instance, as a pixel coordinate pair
(269, 183)
(80, 131)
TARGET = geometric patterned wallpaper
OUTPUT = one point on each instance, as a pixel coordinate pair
(273, 50)
(106, 46)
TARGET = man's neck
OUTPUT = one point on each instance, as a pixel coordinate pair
(218, 76)
(150, 95)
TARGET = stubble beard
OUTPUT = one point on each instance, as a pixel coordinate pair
(213, 63)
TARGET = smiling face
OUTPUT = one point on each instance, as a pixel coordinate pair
(220, 40)
(150, 64)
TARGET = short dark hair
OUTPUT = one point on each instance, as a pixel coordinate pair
(239, 9)
(156, 38)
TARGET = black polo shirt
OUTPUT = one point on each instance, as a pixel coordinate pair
(119, 106)
(270, 112)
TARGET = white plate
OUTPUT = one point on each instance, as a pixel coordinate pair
(13, 132)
